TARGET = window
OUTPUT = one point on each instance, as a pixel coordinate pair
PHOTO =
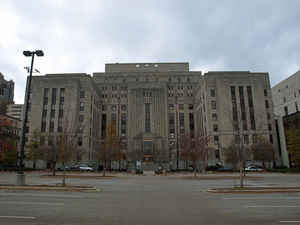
(251, 108)
(113, 108)
(81, 106)
(123, 124)
(191, 117)
(50, 140)
(172, 124)
(254, 138)
(214, 117)
(43, 126)
(42, 140)
(265, 92)
(81, 118)
(191, 106)
(147, 118)
(296, 106)
(59, 126)
(181, 106)
(171, 106)
(113, 116)
(44, 113)
(52, 113)
(103, 126)
(216, 139)
(284, 99)
(246, 139)
(46, 91)
(215, 127)
(80, 141)
(268, 116)
(103, 107)
(53, 96)
(213, 105)
(51, 127)
(237, 139)
(286, 110)
(212, 93)
(60, 113)
(181, 120)
(123, 107)
(82, 94)
(269, 127)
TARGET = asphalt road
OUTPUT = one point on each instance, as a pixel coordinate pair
(147, 200)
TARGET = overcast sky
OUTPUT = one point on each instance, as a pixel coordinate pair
(81, 36)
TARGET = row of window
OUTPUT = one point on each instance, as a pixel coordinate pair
(180, 106)
(114, 107)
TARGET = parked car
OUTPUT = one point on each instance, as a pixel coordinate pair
(253, 169)
(86, 168)
(62, 168)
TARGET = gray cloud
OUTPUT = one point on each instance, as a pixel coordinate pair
(81, 36)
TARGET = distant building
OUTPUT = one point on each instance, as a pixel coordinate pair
(6, 93)
(235, 106)
(15, 110)
(150, 105)
(286, 99)
(286, 95)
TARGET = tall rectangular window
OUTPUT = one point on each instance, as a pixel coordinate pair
(251, 108)
(191, 117)
(103, 126)
(82, 94)
(51, 126)
(234, 107)
(81, 106)
(243, 108)
(181, 122)
(286, 110)
(46, 91)
(123, 124)
(212, 93)
(267, 104)
(296, 106)
(43, 126)
(147, 118)
(213, 105)
(265, 92)
(53, 100)
(172, 124)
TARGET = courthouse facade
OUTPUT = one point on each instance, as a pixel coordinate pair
(151, 105)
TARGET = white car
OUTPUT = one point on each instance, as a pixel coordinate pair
(253, 169)
(86, 168)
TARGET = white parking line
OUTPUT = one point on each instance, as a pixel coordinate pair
(33, 203)
(290, 221)
(18, 217)
(271, 206)
(271, 198)
(40, 195)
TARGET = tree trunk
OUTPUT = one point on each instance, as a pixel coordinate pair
(64, 175)
(53, 168)
(104, 168)
(241, 175)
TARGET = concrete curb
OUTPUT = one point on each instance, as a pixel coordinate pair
(49, 188)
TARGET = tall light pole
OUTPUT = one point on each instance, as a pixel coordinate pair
(20, 174)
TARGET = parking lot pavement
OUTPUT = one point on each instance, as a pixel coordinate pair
(145, 200)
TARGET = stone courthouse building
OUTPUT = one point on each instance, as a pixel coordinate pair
(152, 104)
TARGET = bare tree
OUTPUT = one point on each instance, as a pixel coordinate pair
(195, 149)
(263, 151)
(109, 147)
(34, 152)
(237, 154)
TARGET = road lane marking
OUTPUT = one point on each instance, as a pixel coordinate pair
(273, 198)
(18, 217)
(33, 203)
(290, 221)
(40, 195)
(271, 206)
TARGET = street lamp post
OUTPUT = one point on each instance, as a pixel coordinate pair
(20, 174)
